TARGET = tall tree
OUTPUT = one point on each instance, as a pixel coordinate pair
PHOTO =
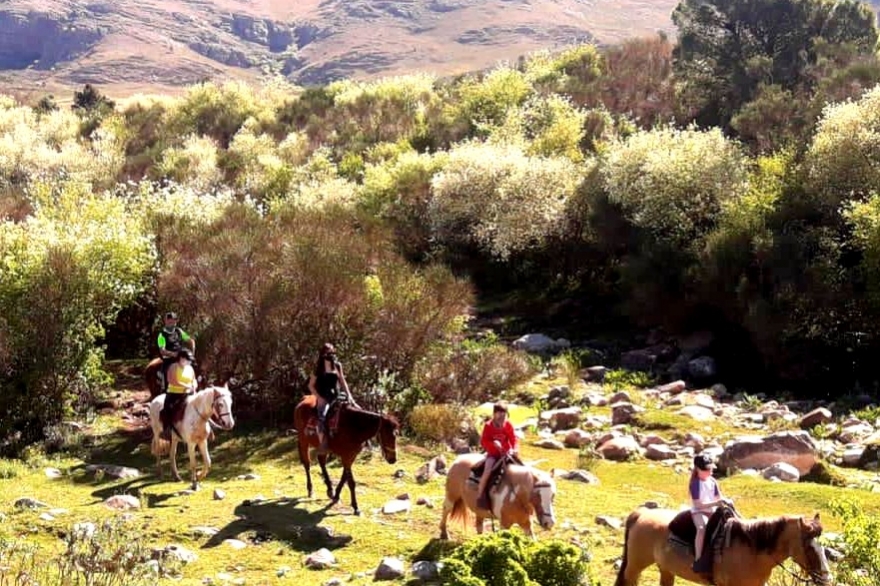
(728, 48)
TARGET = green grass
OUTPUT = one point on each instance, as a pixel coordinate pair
(280, 530)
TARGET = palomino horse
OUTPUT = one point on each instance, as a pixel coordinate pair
(754, 549)
(354, 428)
(210, 406)
(523, 490)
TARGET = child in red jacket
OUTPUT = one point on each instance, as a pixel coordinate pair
(498, 440)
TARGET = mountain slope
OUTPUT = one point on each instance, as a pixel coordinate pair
(127, 45)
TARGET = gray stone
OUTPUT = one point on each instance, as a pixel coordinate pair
(390, 568)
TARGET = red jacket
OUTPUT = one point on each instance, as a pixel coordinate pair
(505, 435)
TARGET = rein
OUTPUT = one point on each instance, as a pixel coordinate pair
(209, 418)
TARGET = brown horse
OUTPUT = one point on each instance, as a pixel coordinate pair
(749, 551)
(523, 490)
(355, 427)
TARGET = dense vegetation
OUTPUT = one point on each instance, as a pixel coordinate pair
(726, 183)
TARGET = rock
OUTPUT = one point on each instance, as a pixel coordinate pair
(702, 368)
(595, 400)
(652, 439)
(695, 441)
(651, 505)
(539, 344)
(53, 473)
(397, 506)
(123, 502)
(719, 391)
(852, 456)
(795, 448)
(430, 469)
(426, 570)
(425, 501)
(638, 360)
(219, 494)
(697, 413)
(390, 568)
(175, 552)
(248, 476)
(560, 419)
(660, 452)
(113, 471)
(459, 446)
(201, 531)
(611, 522)
(619, 448)
(46, 517)
(620, 397)
(577, 438)
(596, 373)
(702, 400)
(783, 471)
(560, 392)
(852, 431)
(320, 559)
(234, 543)
(549, 444)
(581, 476)
(673, 388)
(623, 413)
(27, 502)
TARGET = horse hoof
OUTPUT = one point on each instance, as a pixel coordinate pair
(444, 536)
(195, 486)
(357, 513)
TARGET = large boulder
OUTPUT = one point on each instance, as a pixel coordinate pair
(792, 447)
(619, 448)
(540, 344)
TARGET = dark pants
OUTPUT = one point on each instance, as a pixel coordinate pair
(172, 400)
(166, 362)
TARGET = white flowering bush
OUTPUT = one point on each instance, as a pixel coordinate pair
(84, 256)
(843, 160)
(48, 147)
(672, 182)
(500, 197)
(193, 163)
(485, 102)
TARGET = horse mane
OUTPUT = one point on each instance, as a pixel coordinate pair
(762, 535)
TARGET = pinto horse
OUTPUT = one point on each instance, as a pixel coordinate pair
(355, 427)
(212, 406)
(522, 491)
(746, 557)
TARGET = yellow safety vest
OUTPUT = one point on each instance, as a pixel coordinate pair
(180, 379)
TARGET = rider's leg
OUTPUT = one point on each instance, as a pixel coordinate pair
(482, 499)
(171, 401)
(700, 523)
(321, 408)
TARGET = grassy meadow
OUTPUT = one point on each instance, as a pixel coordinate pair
(281, 529)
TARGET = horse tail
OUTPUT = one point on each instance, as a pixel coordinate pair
(460, 511)
(630, 521)
(159, 446)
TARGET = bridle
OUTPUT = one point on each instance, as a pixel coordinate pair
(812, 575)
(542, 514)
(209, 418)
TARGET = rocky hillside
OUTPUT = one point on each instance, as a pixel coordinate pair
(125, 45)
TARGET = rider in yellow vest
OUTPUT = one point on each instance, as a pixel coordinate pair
(181, 382)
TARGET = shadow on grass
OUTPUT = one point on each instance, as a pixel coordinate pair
(283, 520)
(232, 453)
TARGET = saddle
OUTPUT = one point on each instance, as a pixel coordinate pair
(333, 413)
(683, 531)
(495, 476)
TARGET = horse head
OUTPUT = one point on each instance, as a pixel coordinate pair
(541, 498)
(808, 553)
(388, 430)
(221, 407)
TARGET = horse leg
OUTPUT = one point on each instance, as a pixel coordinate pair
(478, 524)
(342, 481)
(667, 578)
(303, 445)
(351, 485)
(322, 461)
(174, 472)
(206, 459)
(191, 451)
(447, 508)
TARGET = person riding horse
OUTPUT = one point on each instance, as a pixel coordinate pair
(499, 440)
(171, 340)
(181, 382)
(325, 383)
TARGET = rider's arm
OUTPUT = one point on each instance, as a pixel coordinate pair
(190, 374)
(511, 436)
(486, 440)
(345, 388)
(162, 351)
(313, 388)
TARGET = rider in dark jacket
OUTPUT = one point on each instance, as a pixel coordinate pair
(171, 340)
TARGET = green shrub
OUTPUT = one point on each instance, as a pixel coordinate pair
(437, 423)
(620, 379)
(860, 534)
(511, 559)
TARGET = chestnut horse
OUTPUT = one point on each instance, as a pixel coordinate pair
(523, 490)
(355, 427)
(754, 549)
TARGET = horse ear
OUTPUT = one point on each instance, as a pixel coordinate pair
(816, 520)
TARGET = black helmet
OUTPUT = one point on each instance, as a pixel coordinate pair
(186, 353)
(170, 315)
